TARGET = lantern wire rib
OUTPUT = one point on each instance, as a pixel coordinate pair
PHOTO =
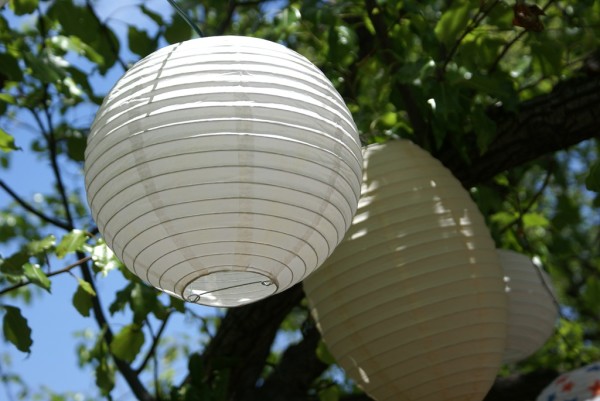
(186, 17)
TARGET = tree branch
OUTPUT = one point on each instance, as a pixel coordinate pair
(244, 340)
(54, 273)
(546, 124)
(297, 370)
(31, 209)
(231, 6)
(155, 340)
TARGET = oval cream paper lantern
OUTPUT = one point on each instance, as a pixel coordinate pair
(412, 304)
(532, 312)
(582, 384)
(223, 170)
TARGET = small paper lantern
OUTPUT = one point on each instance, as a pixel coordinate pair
(223, 170)
(412, 304)
(532, 312)
(582, 384)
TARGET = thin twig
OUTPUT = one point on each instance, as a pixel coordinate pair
(155, 340)
(508, 45)
(532, 201)
(51, 274)
(475, 21)
(31, 209)
(505, 50)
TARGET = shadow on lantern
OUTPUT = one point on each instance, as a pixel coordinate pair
(412, 304)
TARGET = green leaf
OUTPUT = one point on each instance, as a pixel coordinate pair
(13, 265)
(82, 299)
(37, 276)
(47, 69)
(331, 393)
(10, 67)
(87, 287)
(104, 258)
(121, 300)
(6, 98)
(139, 41)
(7, 142)
(483, 126)
(70, 243)
(531, 220)
(39, 246)
(77, 21)
(591, 293)
(178, 31)
(75, 44)
(105, 377)
(453, 22)
(127, 343)
(323, 353)
(592, 181)
(22, 7)
(16, 330)
(154, 16)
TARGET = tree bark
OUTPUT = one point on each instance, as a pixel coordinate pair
(543, 125)
(565, 117)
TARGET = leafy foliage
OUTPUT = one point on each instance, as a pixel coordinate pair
(448, 75)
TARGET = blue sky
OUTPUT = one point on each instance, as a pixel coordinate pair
(57, 327)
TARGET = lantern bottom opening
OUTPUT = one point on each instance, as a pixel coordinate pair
(228, 288)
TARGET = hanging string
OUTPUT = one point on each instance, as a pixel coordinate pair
(187, 19)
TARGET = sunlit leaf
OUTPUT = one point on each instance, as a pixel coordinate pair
(87, 287)
(7, 142)
(37, 276)
(453, 22)
(323, 353)
(71, 243)
(42, 245)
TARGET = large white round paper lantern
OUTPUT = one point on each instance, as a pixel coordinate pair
(582, 384)
(532, 312)
(412, 304)
(223, 170)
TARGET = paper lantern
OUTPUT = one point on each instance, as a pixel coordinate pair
(582, 384)
(412, 304)
(223, 170)
(532, 312)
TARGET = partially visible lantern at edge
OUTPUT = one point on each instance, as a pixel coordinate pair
(581, 384)
(532, 312)
(412, 304)
(223, 170)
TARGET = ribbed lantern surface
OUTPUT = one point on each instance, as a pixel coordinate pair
(532, 312)
(412, 304)
(223, 170)
(582, 384)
